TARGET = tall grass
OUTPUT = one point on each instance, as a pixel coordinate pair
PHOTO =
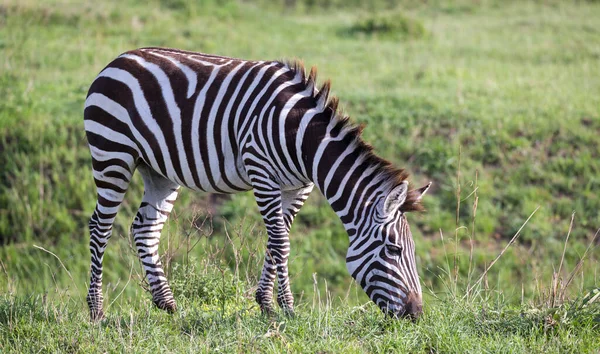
(217, 312)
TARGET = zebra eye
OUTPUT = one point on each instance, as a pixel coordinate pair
(395, 250)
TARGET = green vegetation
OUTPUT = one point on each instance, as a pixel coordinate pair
(495, 102)
(389, 25)
(226, 319)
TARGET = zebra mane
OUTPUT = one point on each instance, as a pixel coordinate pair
(389, 174)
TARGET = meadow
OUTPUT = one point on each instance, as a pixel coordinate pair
(497, 103)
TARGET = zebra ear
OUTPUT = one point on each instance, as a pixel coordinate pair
(395, 199)
(421, 191)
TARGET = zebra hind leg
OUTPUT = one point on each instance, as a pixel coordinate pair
(159, 196)
(112, 180)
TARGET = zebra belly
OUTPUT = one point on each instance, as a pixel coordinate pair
(234, 179)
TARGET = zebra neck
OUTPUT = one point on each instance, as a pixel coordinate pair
(355, 205)
(328, 150)
(352, 182)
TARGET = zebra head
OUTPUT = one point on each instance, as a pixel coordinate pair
(381, 258)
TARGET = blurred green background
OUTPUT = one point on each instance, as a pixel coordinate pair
(496, 102)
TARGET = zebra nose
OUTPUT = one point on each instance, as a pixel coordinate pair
(414, 306)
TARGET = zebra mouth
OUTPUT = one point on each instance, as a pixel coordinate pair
(412, 309)
(400, 314)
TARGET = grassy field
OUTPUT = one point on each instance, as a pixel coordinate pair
(495, 102)
(217, 314)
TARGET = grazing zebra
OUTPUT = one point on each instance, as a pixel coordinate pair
(225, 125)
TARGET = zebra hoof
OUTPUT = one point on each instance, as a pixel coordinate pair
(289, 313)
(96, 315)
(287, 310)
(267, 310)
(287, 307)
(265, 301)
(170, 306)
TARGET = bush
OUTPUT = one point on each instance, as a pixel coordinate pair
(209, 284)
(392, 25)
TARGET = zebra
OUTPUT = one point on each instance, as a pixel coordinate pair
(224, 125)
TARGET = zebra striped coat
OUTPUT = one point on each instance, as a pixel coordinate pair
(225, 125)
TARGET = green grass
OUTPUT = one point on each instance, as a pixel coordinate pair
(217, 314)
(495, 102)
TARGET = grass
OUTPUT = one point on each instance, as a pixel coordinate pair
(495, 102)
(217, 313)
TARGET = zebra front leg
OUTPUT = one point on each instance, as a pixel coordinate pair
(159, 196)
(264, 292)
(276, 259)
(278, 209)
(268, 198)
(285, 299)
(291, 202)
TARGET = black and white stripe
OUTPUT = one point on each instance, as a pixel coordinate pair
(225, 125)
